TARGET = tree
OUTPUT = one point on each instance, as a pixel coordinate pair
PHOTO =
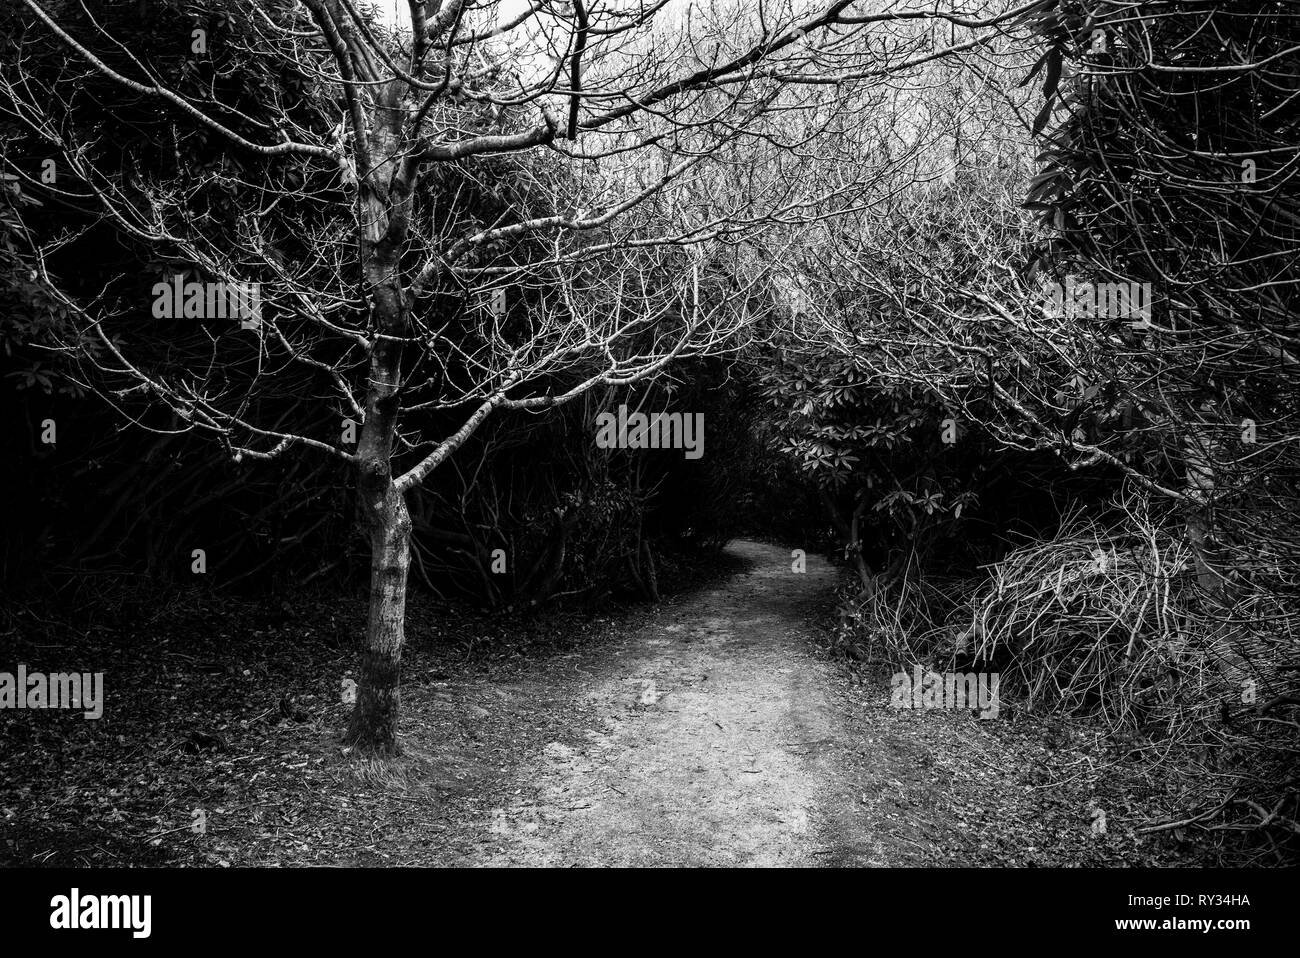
(324, 160)
(1169, 161)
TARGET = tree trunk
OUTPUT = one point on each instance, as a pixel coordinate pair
(383, 510)
(373, 730)
(651, 576)
(855, 544)
(849, 534)
(1199, 451)
(1200, 487)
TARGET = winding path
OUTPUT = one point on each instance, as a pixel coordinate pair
(713, 741)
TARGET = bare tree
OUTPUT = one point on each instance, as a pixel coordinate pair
(394, 306)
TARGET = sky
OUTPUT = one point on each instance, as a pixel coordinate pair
(398, 11)
(394, 11)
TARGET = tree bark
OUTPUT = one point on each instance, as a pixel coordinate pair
(1223, 638)
(855, 544)
(849, 533)
(1199, 519)
(387, 521)
(386, 182)
(651, 576)
(373, 729)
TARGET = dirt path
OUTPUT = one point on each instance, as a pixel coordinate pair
(710, 729)
(710, 742)
(719, 734)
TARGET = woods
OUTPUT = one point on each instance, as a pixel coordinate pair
(344, 319)
(505, 311)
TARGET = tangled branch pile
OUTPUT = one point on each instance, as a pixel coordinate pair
(1113, 624)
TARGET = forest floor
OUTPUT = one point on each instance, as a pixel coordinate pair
(711, 729)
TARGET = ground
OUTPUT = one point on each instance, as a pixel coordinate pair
(707, 740)
(712, 729)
